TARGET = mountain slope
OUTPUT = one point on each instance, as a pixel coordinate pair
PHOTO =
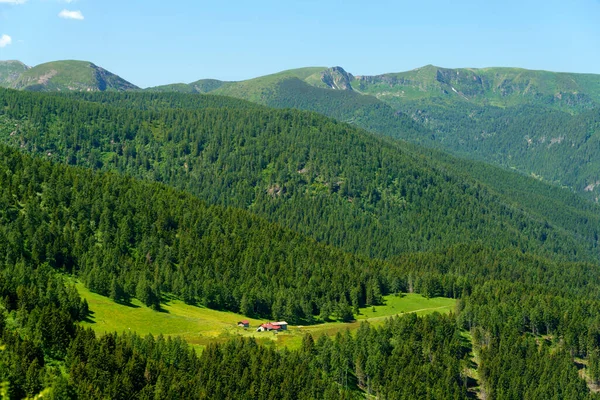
(114, 231)
(10, 72)
(306, 89)
(540, 123)
(336, 183)
(549, 144)
(70, 76)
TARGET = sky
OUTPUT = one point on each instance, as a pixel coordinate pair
(154, 42)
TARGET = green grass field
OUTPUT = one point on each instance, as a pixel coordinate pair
(200, 326)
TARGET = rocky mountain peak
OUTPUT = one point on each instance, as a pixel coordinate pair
(337, 78)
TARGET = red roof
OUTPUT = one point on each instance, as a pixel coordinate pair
(271, 326)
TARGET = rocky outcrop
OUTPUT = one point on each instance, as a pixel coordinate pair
(337, 78)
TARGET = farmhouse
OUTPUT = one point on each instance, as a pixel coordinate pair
(243, 324)
(268, 327)
(273, 326)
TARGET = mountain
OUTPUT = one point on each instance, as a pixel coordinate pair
(10, 72)
(543, 124)
(70, 76)
(500, 87)
(540, 123)
(248, 90)
(305, 89)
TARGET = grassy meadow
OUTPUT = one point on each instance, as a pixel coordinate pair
(200, 325)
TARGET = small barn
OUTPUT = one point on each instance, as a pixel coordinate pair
(244, 324)
(282, 324)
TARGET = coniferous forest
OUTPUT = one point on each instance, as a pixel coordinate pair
(280, 215)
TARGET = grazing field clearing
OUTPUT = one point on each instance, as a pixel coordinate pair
(201, 326)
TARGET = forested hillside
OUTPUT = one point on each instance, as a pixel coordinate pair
(540, 123)
(338, 184)
(553, 145)
(536, 197)
(128, 238)
(304, 89)
(121, 236)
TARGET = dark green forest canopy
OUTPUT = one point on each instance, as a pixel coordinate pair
(160, 101)
(126, 238)
(559, 207)
(488, 245)
(336, 183)
(536, 197)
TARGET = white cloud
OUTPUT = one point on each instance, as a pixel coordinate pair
(66, 14)
(5, 40)
(12, 1)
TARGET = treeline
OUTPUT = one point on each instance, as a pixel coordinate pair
(152, 101)
(406, 358)
(311, 174)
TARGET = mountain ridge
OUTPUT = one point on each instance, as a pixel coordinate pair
(568, 80)
(513, 117)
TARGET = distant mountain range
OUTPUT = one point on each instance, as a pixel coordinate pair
(543, 124)
(487, 86)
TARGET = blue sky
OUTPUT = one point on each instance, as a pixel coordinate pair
(154, 42)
